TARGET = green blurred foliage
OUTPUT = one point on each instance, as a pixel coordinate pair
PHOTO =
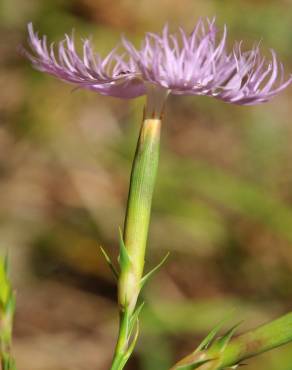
(7, 309)
(222, 207)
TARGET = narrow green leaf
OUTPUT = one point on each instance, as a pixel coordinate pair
(133, 343)
(208, 339)
(147, 277)
(194, 365)
(223, 341)
(124, 258)
(109, 262)
(135, 317)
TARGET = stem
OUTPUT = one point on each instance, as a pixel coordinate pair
(121, 356)
(259, 340)
(143, 176)
(245, 346)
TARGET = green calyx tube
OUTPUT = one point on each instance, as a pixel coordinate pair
(137, 218)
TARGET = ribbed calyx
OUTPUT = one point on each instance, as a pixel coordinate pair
(137, 218)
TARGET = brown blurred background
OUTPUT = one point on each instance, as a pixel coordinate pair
(222, 207)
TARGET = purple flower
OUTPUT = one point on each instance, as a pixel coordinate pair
(195, 64)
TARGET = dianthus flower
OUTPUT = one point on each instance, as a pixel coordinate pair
(181, 64)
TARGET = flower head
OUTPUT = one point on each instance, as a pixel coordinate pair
(182, 64)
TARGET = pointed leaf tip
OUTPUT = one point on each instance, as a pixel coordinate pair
(208, 339)
(124, 258)
(147, 277)
(206, 342)
(109, 262)
(223, 341)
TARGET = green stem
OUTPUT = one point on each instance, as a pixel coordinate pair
(121, 351)
(135, 234)
(257, 341)
(245, 346)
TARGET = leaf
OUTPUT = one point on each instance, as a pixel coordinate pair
(225, 339)
(194, 365)
(208, 339)
(124, 258)
(133, 343)
(109, 262)
(135, 317)
(146, 278)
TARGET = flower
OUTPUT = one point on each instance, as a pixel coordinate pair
(181, 64)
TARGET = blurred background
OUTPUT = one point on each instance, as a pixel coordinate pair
(222, 206)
